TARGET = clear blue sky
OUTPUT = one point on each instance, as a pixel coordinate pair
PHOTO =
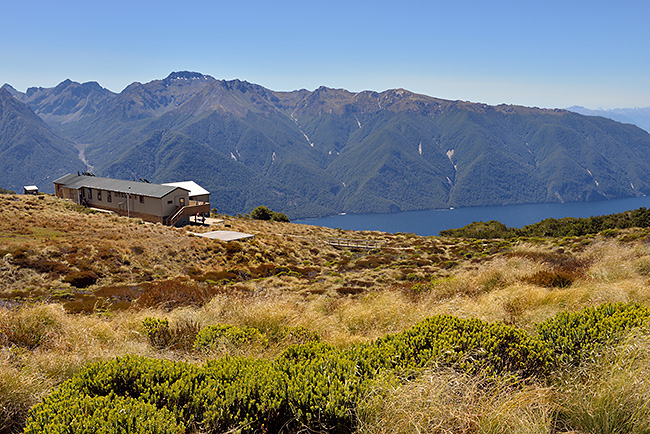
(542, 53)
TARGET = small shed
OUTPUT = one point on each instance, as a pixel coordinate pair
(30, 189)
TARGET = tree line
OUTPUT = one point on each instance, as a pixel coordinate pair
(565, 227)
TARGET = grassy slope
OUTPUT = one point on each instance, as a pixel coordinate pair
(288, 275)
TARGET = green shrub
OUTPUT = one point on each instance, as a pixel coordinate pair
(157, 331)
(226, 395)
(303, 352)
(578, 336)
(244, 395)
(165, 384)
(420, 288)
(279, 217)
(261, 213)
(65, 411)
(323, 391)
(466, 344)
(216, 335)
(296, 335)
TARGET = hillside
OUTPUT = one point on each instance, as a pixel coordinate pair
(90, 296)
(314, 153)
(30, 153)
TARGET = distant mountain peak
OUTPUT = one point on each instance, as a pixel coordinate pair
(63, 85)
(9, 88)
(4, 92)
(187, 75)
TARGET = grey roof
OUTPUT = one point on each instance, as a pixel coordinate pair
(65, 178)
(117, 185)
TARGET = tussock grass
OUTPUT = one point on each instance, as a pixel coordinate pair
(19, 391)
(445, 401)
(611, 395)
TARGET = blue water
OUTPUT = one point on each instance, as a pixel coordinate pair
(431, 222)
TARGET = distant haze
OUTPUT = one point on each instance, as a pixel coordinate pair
(637, 116)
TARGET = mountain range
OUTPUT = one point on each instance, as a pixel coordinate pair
(314, 153)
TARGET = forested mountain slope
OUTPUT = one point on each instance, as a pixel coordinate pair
(30, 153)
(312, 153)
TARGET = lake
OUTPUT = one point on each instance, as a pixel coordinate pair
(431, 222)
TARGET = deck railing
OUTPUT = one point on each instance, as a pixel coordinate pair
(192, 208)
(354, 244)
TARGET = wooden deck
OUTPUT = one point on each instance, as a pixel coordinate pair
(354, 244)
(192, 209)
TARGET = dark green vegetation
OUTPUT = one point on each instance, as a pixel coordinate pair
(565, 227)
(312, 387)
(575, 337)
(263, 213)
(316, 153)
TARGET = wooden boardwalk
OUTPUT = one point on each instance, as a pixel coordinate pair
(354, 244)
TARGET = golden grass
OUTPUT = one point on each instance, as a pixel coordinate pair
(20, 389)
(448, 402)
(611, 395)
(346, 296)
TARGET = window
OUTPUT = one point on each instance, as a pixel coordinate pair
(108, 197)
(141, 199)
(90, 193)
(99, 195)
(169, 202)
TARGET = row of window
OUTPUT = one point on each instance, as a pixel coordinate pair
(109, 195)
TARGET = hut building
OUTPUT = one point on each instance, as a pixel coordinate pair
(167, 204)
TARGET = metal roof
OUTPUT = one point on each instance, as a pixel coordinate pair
(194, 188)
(117, 185)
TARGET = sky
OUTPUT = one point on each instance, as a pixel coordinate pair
(548, 53)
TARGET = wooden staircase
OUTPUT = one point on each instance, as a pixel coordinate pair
(192, 208)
